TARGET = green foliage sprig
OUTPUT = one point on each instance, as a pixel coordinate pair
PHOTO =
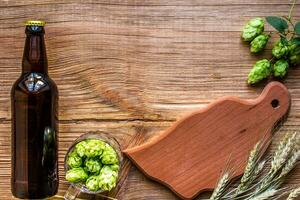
(285, 52)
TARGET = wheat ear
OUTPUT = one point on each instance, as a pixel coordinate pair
(294, 194)
(265, 195)
(290, 163)
(249, 170)
(282, 153)
(221, 186)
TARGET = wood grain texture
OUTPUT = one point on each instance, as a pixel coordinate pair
(133, 67)
(189, 156)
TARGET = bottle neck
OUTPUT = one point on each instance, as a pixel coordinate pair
(34, 57)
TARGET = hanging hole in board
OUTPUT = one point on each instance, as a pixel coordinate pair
(275, 103)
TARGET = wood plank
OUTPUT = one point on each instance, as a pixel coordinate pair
(133, 67)
(149, 3)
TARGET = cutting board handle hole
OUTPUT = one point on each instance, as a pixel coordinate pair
(275, 103)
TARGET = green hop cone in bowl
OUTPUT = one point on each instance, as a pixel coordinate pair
(74, 160)
(92, 165)
(92, 183)
(90, 148)
(107, 178)
(253, 28)
(80, 148)
(259, 43)
(94, 148)
(109, 155)
(76, 175)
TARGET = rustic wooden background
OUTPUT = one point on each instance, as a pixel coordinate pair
(132, 67)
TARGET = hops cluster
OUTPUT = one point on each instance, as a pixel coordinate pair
(93, 163)
(286, 51)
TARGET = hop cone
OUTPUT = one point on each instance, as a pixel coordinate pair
(80, 148)
(94, 148)
(92, 183)
(109, 155)
(107, 178)
(294, 54)
(260, 70)
(280, 50)
(259, 43)
(76, 175)
(252, 29)
(74, 160)
(280, 68)
(92, 165)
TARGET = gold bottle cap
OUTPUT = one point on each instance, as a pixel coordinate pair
(34, 23)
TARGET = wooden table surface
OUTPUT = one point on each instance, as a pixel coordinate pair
(133, 67)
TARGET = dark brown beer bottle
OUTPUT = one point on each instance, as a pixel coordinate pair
(34, 99)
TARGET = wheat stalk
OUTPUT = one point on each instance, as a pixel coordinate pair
(265, 195)
(282, 153)
(283, 161)
(294, 194)
(290, 163)
(246, 188)
(257, 171)
(249, 168)
(221, 186)
(252, 170)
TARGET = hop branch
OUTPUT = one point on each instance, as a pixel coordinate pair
(285, 52)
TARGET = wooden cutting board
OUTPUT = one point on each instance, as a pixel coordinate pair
(189, 156)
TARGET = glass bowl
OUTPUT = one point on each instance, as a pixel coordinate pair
(76, 188)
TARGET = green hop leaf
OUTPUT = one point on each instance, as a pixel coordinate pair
(294, 56)
(259, 43)
(76, 175)
(92, 183)
(280, 50)
(260, 71)
(297, 28)
(81, 148)
(92, 165)
(278, 23)
(253, 28)
(284, 40)
(94, 148)
(74, 160)
(280, 68)
(107, 178)
(296, 41)
(109, 155)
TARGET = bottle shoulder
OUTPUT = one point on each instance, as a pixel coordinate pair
(34, 83)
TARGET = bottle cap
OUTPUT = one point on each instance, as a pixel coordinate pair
(34, 23)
